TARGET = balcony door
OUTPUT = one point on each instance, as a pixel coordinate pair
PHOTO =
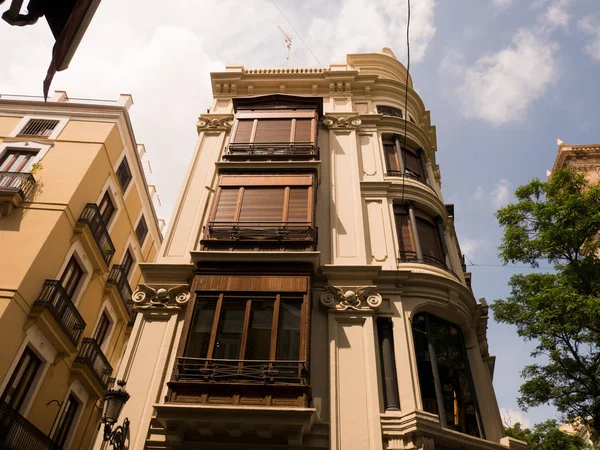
(71, 276)
(21, 380)
(16, 160)
(107, 208)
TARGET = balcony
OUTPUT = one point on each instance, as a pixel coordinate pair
(227, 381)
(15, 188)
(118, 286)
(96, 238)
(411, 257)
(272, 151)
(273, 234)
(17, 433)
(57, 316)
(93, 367)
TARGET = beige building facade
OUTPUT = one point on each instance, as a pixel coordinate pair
(310, 291)
(583, 158)
(76, 219)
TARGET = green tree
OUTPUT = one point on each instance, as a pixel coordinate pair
(557, 221)
(546, 436)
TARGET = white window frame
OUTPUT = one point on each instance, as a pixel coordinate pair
(78, 252)
(113, 190)
(62, 122)
(41, 346)
(30, 146)
(112, 317)
(120, 159)
(77, 389)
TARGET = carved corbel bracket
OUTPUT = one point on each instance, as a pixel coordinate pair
(161, 297)
(344, 122)
(212, 122)
(356, 298)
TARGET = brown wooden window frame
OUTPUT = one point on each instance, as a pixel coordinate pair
(67, 419)
(107, 207)
(267, 229)
(141, 230)
(393, 164)
(72, 276)
(124, 175)
(38, 127)
(21, 380)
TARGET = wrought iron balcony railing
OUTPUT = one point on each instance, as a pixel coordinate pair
(407, 173)
(266, 231)
(93, 219)
(18, 182)
(17, 433)
(406, 256)
(91, 356)
(118, 277)
(272, 149)
(54, 299)
(241, 371)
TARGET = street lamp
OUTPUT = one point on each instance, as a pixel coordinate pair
(114, 400)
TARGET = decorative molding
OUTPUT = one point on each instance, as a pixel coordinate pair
(161, 298)
(212, 122)
(357, 298)
(347, 122)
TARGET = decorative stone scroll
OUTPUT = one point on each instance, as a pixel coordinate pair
(168, 297)
(342, 122)
(214, 122)
(357, 298)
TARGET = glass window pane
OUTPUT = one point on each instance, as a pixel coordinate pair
(258, 345)
(288, 340)
(424, 368)
(229, 333)
(199, 338)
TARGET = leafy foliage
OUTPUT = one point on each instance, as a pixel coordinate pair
(559, 221)
(546, 436)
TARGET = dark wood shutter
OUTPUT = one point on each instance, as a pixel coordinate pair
(403, 230)
(141, 230)
(124, 174)
(391, 157)
(298, 205)
(71, 276)
(244, 131)
(303, 132)
(127, 263)
(262, 204)
(273, 130)
(21, 380)
(106, 207)
(227, 204)
(428, 237)
(412, 163)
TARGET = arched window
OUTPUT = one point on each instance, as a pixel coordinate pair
(444, 374)
(420, 236)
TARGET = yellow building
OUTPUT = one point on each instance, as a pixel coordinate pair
(310, 292)
(583, 158)
(76, 218)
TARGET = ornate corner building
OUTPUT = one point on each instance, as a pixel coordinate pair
(76, 218)
(310, 292)
(580, 158)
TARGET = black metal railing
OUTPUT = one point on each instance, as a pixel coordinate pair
(406, 256)
(118, 277)
(58, 303)
(17, 433)
(91, 356)
(241, 371)
(20, 182)
(407, 173)
(268, 231)
(93, 219)
(272, 149)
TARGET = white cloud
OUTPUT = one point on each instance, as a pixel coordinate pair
(501, 194)
(470, 246)
(590, 25)
(498, 88)
(479, 194)
(511, 416)
(501, 3)
(556, 15)
(367, 26)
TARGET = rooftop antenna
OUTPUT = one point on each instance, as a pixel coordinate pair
(287, 41)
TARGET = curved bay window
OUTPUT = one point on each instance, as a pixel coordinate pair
(268, 208)
(401, 161)
(245, 334)
(420, 237)
(444, 374)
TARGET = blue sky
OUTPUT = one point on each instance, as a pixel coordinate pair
(503, 79)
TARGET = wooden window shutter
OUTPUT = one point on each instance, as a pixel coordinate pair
(428, 237)
(262, 204)
(412, 162)
(244, 131)
(391, 157)
(273, 130)
(303, 131)
(299, 203)
(403, 229)
(227, 204)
